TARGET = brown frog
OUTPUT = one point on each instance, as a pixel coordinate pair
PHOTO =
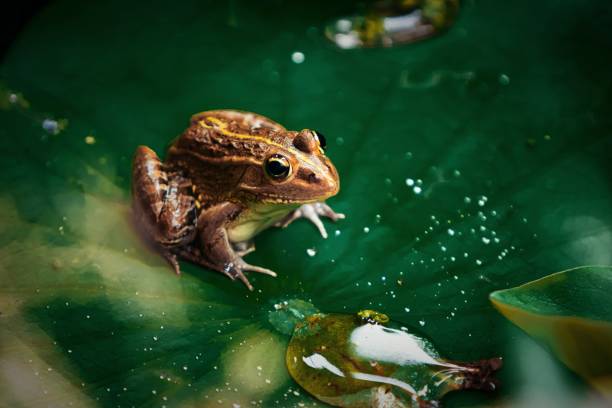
(229, 176)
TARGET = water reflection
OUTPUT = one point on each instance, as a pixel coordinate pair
(362, 359)
(393, 22)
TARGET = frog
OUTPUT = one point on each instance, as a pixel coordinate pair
(229, 176)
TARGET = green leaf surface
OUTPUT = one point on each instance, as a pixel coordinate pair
(471, 162)
(571, 312)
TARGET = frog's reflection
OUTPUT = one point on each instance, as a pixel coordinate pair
(393, 22)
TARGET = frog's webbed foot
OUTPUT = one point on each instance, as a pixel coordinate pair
(236, 269)
(233, 270)
(313, 213)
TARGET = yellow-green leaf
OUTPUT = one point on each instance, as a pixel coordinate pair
(570, 312)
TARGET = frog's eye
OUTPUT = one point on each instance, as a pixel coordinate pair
(278, 167)
(321, 139)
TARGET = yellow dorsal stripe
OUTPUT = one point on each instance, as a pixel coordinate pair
(221, 126)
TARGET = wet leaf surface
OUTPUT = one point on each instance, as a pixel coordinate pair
(475, 161)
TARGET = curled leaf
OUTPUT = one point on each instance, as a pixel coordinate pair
(570, 312)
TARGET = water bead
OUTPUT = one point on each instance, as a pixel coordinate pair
(298, 57)
(364, 359)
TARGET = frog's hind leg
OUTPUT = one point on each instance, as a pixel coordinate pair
(215, 251)
(163, 205)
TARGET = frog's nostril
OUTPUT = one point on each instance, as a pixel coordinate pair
(312, 178)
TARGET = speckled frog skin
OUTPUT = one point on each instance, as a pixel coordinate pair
(229, 176)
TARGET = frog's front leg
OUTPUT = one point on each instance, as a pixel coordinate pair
(313, 213)
(163, 205)
(216, 251)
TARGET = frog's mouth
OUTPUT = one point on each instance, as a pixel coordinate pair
(257, 195)
(274, 199)
(286, 194)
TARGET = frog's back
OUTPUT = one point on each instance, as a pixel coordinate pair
(219, 146)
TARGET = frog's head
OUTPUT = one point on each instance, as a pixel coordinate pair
(295, 169)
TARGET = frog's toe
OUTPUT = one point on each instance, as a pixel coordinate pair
(237, 268)
(244, 248)
(314, 212)
(316, 220)
(253, 268)
(171, 258)
(245, 281)
(326, 211)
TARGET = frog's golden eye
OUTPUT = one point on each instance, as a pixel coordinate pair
(277, 167)
(321, 139)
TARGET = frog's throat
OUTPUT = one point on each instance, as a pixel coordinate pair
(256, 218)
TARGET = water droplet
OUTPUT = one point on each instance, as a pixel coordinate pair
(409, 182)
(90, 140)
(339, 141)
(478, 262)
(311, 252)
(337, 233)
(422, 322)
(467, 200)
(504, 79)
(366, 229)
(417, 189)
(486, 240)
(51, 126)
(407, 309)
(298, 57)
(451, 232)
